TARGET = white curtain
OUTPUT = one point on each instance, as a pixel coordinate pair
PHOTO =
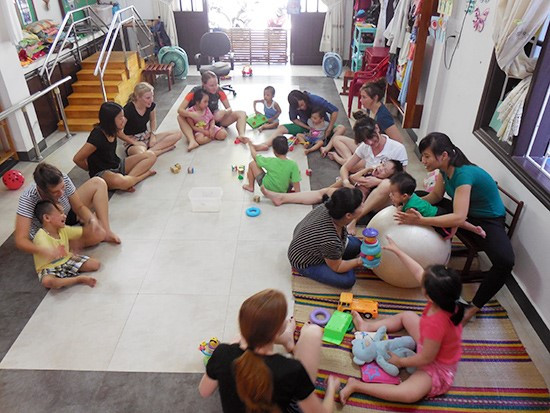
(332, 39)
(165, 10)
(516, 22)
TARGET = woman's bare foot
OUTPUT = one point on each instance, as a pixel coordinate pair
(85, 279)
(273, 196)
(352, 229)
(348, 390)
(110, 236)
(248, 188)
(152, 172)
(287, 337)
(480, 231)
(130, 190)
(192, 145)
(359, 323)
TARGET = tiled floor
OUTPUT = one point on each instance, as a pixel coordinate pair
(179, 277)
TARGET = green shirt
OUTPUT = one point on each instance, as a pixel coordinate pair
(424, 207)
(485, 200)
(279, 173)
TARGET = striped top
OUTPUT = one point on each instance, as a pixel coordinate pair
(315, 238)
(31, 197)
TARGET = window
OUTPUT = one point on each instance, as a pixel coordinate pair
(527, 156)
(188, 5)
(313, 6)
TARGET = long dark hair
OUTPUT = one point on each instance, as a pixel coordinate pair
(364, 128)
(438, 143)
(343, 201)
(260, 320)
(45, 176)
(197, 96)
(294, 96)
(107, 114)
(376, 88)
(444, 287)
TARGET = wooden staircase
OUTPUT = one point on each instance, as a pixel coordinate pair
(84, 102)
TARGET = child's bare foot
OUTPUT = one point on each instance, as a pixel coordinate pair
(330, 155)
(248, 188)
(152, 172)
(110, 236)
(287, 337)
(273, 196)
(85, 279)
(359, 323)
(469, 313)
(348, 390)
(480, 231)
(307, 151)
(192, 145)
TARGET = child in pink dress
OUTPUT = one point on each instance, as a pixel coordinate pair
(206, 129)
(438, 336)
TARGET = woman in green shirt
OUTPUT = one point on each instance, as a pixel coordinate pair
(475, 198)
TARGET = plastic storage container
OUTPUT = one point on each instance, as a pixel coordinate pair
(206, 199)
(104, 12)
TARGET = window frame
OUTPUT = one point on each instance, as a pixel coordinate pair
(514, 157)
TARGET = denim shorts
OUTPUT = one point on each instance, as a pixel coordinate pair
(120, 170)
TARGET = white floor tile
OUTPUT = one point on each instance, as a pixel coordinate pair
(71, 332)
(164, 331)
(191, 267)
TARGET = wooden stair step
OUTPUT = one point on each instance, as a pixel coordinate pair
(79, 125)
(82, 111)
(110, 74)
(88, 86)
(93, 98)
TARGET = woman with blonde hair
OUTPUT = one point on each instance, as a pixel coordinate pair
(253, 378)
(140, 111)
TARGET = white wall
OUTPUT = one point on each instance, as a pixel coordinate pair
(54, 12)
(450, 106)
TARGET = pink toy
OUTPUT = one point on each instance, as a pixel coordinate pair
(13, 179)
(308, 172)
(372, 373)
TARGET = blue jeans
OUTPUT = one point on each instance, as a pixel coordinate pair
(323, 274)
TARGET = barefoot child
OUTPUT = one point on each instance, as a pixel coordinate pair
(204, 130)
(402, 186)
(438, 334)
(57, 266)
(280, 173)
(272, 110)
(251, 377)
(317, 127)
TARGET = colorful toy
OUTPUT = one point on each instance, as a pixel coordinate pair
(367, 308)
(255, 121)
(253, 211)
(237, 141)
(308, 172)
(319, 316)
(176, 169)
(291, 142)
(372, 373)
(377, 350)
(241, 177)
(257, 198)
(233, 168)
(201, 124)
(336, 328)
(208, 348)
(241, 169)
(13, 179)
(247, 70)
(190, 170)
(371, 252)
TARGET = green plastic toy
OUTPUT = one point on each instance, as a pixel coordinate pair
(336, 328)
(255, 121)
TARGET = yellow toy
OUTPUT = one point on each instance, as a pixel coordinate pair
(208, 348)
(201, 124)
(368, 308)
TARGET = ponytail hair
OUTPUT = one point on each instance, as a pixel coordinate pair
(438, 143)
(343, 201)
(207, 75)
(261, 319)
(376, 88)
(46, 175)
(139, 90)
(443, 286)
(364, 128)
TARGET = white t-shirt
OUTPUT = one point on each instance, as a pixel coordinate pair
(392, 150)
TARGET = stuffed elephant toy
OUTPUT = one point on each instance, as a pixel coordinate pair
(365, 352)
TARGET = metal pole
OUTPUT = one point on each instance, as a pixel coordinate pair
(124, 50)
(33, 138)
(62, 111)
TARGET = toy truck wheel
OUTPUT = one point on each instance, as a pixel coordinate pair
(367, 316)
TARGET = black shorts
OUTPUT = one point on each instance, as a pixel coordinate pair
(72, 219)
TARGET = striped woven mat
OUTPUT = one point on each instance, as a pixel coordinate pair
(495, 372)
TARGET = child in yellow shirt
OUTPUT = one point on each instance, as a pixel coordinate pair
(57, 266)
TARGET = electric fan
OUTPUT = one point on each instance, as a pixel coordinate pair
(332, 64)
(176, 55)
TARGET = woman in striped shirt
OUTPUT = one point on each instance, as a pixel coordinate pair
(321, 248)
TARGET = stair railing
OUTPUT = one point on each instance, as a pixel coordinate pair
(118, 21)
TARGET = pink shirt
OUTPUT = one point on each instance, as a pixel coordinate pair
(439, 327)
(207, 116)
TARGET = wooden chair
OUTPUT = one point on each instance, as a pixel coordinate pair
(372, 72)
(468, 238)
(152, 70)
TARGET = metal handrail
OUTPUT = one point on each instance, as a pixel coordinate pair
(110, 39)
(23, 106)
(61, 33)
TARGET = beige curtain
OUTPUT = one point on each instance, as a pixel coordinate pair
(165, 10)
(332, 39)
(516, 22)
